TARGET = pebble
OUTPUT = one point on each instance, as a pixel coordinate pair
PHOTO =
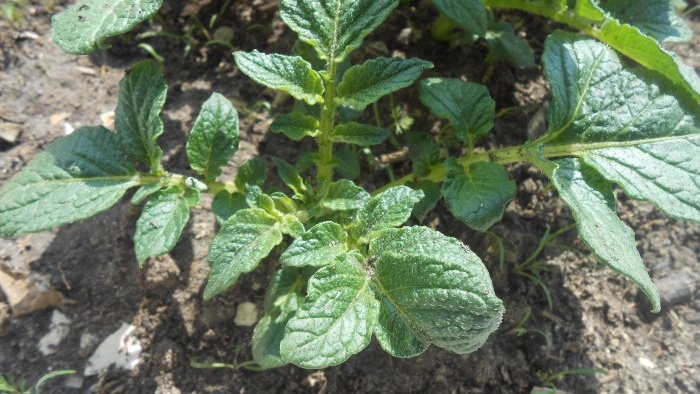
(9, 132)
(675, 289)
(88, 342)
(121, 348)
(246, 314)
(58, 331)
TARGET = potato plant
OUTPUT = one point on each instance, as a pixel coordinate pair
(350, 267)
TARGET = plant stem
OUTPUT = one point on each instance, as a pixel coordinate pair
(324, 166)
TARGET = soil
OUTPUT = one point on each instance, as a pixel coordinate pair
(597, 319)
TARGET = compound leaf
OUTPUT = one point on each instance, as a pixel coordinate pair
(335, 27)
(655, 18)
(244, 240)
(477, 195)
(337, 318)
(640, 137)
(290, 74)
(161, 223)
(591, 199)
(317, 247)
(137, 117)
(281, 303)
(390, 208)
(76, 177)
(366, 83)
(360, 134)
(295, 125)
(470, 15)
(345, 195)
(214, 136)
(467, 106)
(84, 26)
(432, 289)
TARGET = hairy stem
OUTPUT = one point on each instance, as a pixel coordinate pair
(324, 166)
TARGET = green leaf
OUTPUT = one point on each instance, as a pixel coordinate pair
(344, 195)
(346, 163)
(506, 46)
(146, 191)
(76, 177)
(337, 318)
(161, 223)
(290, 176)
(640, 137)
(137, 117)
(432, 193)
(470, 15)
(290, 74)
(479, 194)
(423, 151)
(317, 247)
(282, 300)
(366, 83)
(251, 173)
(654, 18)
(359, 134)
(335, 27)
(245, 239)
(226, 204)
(624, 38)
(214, 136)
(391, 208)
(432, 289)
(591, 199)
(84, 26)
(468, 106)
(295, 125)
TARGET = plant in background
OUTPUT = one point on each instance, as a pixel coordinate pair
(348, 269)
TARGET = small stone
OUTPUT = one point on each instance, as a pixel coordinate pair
(10, 132)
(74, 382)
(58, 331)
(121, 348)
(88, 342)
(26, 295)
(646, 363)
(676, 289)
(4, 316)
(246, 314)
(57, 118)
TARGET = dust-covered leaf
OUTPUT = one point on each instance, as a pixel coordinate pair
(390, 208)
(214, 136)
(335, 27)
(345, 195)
(366, 83)
(244, 240)
(641, 137)
(477, 195)
(360, 134)
(656, 18)
(591, 199)
(317, 247)
(76, 177)
(137, 117)
(161, 223)
(84, 26)
(295, 125)
(282, 300)
(506, 46)
(432, 289)
(467, 105)
(290, 74)
(470, 15)
(337, 318)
